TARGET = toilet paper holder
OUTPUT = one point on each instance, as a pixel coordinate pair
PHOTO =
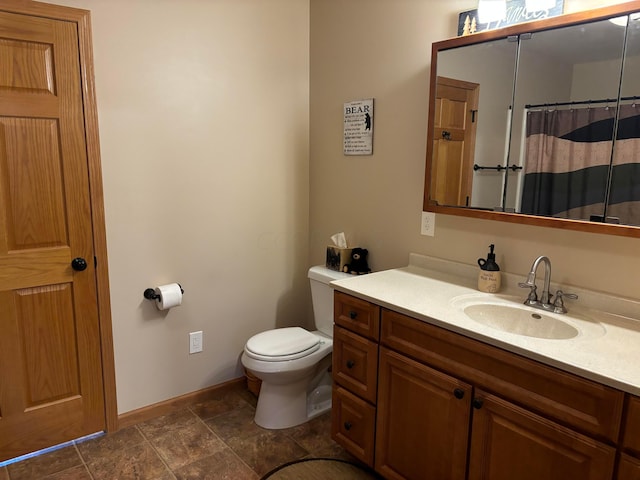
(150, 293)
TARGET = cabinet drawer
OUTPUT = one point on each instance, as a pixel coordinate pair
(631, 438)
(357, 315)
(353, 424)
(355, 363)
(568, 399)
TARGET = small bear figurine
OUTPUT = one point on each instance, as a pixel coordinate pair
(358, 264)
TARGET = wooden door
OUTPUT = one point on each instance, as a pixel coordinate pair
(51, 378)
(454, 137)
(508, 442)
(422, 426)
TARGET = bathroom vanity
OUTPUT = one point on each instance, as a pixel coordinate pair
(422, 390)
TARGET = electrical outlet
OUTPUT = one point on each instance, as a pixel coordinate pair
(428, 224)
(195, 342)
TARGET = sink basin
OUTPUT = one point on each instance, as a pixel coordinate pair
(511, 316)
(521, 321)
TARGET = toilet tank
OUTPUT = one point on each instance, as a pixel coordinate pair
(322, 296)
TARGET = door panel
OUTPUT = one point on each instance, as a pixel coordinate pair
(51, 386)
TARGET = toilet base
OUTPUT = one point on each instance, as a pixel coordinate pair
(284, 406)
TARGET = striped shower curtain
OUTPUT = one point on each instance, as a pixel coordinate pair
(624, 199)
(568, 155)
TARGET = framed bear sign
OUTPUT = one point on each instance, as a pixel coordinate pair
(358, 127)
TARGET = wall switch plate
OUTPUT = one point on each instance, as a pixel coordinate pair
(428, 224)
(195, 342)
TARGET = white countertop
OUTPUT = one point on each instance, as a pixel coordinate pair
(606, 350)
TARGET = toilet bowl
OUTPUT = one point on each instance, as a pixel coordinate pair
(293, 363)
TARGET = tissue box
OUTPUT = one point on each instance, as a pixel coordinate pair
(337, 257)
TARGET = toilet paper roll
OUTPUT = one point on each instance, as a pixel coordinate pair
(170, 295)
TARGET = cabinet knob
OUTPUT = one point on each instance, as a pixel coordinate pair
(347, 425)
(350, 364)
(353, 315)
(458, 393)
(477, 403)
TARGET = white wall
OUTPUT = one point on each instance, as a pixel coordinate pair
(585, 88)
(203, 111)
(381, 49)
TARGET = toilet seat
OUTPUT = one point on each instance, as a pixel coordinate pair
(282, 344)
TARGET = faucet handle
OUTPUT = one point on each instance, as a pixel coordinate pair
(558, 303)
(532, 298)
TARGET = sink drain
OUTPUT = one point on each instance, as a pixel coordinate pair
(536, 316)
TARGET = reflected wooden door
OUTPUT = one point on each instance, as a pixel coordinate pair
(51, 387)
(454, 141)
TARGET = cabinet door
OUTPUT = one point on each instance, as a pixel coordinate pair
(508, 442)
(628, 468)
(422, 426)
(631, 438)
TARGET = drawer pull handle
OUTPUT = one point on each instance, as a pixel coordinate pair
(458, 393)
(350, 364)
(477, 403)
(353, 315)
(347, 425)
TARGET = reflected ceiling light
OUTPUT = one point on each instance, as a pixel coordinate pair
(537, 5)
(622, 21)
(492, 10)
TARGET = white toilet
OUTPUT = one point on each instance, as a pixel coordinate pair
(293, 363)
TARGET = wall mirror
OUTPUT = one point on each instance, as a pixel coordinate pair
(537, 123)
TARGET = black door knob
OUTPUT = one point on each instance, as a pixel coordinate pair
(353, 315)
(477, 403)
(350, 364)
(458, 393)
(347, 425)
(79, 264)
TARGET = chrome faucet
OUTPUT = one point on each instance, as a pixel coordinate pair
(545, 299)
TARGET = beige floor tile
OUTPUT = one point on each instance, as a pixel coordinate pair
(223, 465)
(181, 445)
(139, 462)
(265, 451)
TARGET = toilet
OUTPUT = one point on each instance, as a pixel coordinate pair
(293, 363)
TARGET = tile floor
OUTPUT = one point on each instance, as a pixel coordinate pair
(212, 440)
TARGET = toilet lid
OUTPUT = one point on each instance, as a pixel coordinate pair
(282, 344)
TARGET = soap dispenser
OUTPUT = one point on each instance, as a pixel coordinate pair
(489, 276)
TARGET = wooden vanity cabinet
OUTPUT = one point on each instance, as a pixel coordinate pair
(450, 407)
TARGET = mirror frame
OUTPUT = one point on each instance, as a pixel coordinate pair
(534, 26)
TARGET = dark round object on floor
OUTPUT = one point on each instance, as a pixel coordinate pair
(321, 469)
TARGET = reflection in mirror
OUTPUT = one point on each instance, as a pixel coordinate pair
(564, 114)
(466, 135)
(623, 205)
